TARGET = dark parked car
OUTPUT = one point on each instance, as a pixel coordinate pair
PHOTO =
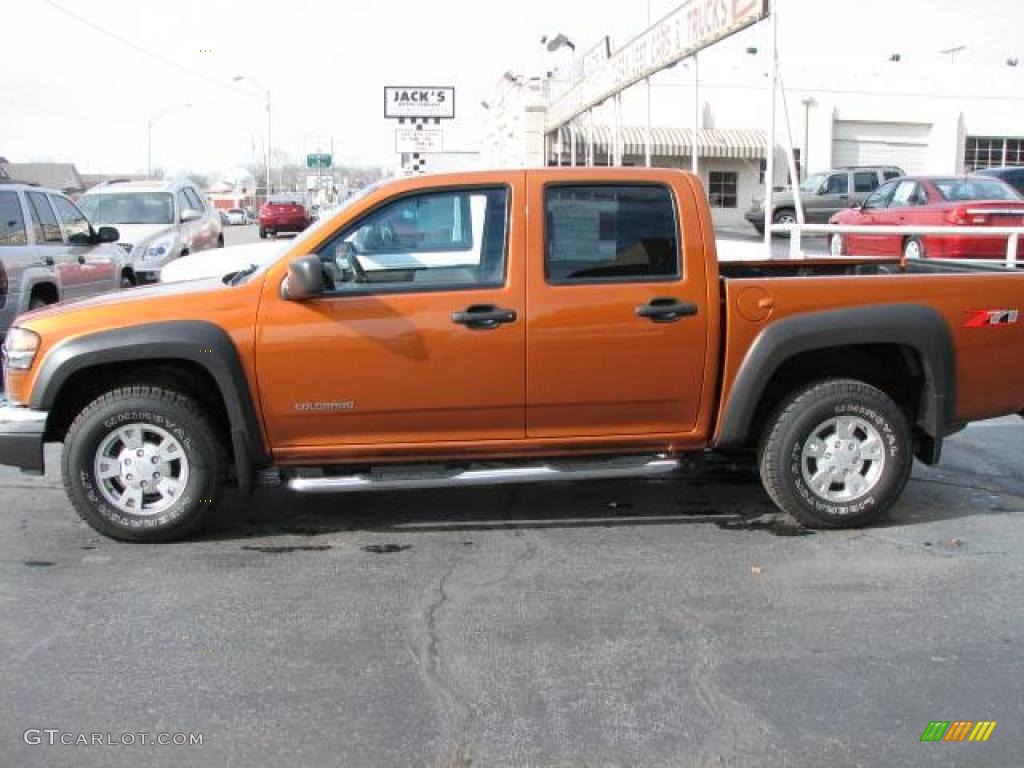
(824, 194)
(1011, 174)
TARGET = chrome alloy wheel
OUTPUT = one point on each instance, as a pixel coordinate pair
(843, 458)
(141, 469)
(913, 250)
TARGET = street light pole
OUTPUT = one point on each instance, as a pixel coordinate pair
(266, 92)
(149, 135)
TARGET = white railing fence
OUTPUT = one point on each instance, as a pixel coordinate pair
(797, 231)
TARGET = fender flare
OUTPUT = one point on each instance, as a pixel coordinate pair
(196, 341)
(916, 326)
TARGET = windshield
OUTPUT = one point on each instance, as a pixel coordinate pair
(975, 189)
(128, 208)
(813, 182)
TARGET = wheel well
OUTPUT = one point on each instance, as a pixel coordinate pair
(893, 368)
(183, 376)
(45, 291)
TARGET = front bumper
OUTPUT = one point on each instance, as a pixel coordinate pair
(21, 438)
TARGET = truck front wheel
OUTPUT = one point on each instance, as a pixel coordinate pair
(143, 464)
(836, 454)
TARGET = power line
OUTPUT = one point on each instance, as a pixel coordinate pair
(139, 48)
(56, 113)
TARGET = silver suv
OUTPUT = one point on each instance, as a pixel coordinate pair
(158, 221)
(50, 252)
(823, 194)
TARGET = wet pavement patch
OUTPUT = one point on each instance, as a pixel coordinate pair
(774, 526)
(386, 549)
(286, 549)
(39, 563)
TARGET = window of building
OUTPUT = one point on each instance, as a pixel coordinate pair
(610, 233)
(12, 223)
(722, 189)
(440, 240)
(990, 151)
(43, 219)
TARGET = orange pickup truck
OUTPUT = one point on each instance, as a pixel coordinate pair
(511, 326)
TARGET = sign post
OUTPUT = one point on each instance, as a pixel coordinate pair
(418, 106)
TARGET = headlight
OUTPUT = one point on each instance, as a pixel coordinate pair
(20, 349)
(159, 248)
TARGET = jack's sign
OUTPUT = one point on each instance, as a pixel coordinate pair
(419, 102)
(694, 25)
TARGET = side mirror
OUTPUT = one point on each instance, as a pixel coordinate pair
(190, 214)
(107, 235)
(305, 279)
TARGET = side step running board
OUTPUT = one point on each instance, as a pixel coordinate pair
(412, 477)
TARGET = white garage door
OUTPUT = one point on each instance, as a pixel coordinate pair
(867, 143)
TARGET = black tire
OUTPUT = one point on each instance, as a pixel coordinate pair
(127, 280)
(37, 302)
(788, 435)
(783, 216)
(204, 455)
(263, 233)
(220, 241)
(913, 248)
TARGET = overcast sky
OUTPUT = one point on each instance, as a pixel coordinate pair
(69, 92)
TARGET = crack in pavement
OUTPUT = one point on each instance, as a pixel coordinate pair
(443, 682)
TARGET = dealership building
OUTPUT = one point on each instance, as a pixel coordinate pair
(925, 111)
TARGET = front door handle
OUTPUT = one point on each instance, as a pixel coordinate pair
(483, 317)
(666, 310)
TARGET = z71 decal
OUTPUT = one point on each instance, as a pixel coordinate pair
(988, 318)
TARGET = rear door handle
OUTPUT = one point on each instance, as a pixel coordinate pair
(666, 310)
(483, 317)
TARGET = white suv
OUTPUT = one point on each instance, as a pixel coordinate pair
(158, 221)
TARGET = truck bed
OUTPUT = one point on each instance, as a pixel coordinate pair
(826, 266)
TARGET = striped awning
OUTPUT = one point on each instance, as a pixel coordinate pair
(742, 144)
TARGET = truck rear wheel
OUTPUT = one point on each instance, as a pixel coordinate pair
(142, 464)
(836, 454)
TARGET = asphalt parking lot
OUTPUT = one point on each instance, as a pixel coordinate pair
(670, 623)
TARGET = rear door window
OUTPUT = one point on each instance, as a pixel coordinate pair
(12, 222)
(610, 234)
(865, 181)
(45, 220)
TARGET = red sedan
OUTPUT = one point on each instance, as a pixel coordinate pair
(932, 201)
(283, 215)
